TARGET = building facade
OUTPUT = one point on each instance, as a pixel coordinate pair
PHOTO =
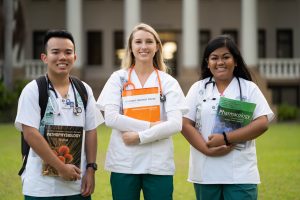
(267, 32)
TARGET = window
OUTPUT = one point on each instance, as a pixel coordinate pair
(204, 39)
(94, 48)
(119, 49)
(170, 49)
(286, 94)
(232, 33)
(38, 43)
(261, 43)
(284, 43)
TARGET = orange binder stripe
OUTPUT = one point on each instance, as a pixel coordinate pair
(149, 113)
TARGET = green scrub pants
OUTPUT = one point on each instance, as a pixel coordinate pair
(226, 191)
(129, 186)
(73, 197)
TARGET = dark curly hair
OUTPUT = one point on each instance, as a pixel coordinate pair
(219, 42)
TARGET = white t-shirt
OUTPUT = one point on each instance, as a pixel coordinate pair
(154, 155)
(239, 166)
(34, 183)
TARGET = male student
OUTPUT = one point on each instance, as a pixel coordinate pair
(65, 107)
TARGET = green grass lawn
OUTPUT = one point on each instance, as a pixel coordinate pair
(278, 159)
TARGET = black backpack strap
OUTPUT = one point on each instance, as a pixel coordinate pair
(81, 90)
(43, 94)
(43, 100)
(25, 151)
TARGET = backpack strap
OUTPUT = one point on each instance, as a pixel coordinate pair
(81, 90)
(25, 151)
(43, 94)
(43, 100)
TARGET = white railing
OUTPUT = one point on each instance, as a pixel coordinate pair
(276, 68)
(34, 69)
(269, 68)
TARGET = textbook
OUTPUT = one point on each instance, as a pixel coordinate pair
(67, 143)
(233, 114)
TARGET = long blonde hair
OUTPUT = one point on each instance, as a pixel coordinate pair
(129, 59)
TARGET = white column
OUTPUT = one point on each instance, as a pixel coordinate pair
(74, 25)
(249, 32)
(190, 34)
(132, 16)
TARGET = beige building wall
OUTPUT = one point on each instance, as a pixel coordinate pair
(107, 16)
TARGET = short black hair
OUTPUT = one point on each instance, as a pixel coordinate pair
(57, 34)
(228, 42)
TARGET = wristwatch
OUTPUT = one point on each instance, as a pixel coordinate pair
(92, 165)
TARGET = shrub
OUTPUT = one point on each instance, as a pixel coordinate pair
(287, 112)
(9, 100)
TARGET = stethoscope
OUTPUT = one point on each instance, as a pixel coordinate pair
(214, 83)
(76, 109)
(129, 83)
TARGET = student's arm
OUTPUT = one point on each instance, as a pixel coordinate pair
(120, 122)
(253, 130)
(88, 181)
(157, 132)
(195, 138)
(41, 147)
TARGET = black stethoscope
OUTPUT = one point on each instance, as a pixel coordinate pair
(214, 83)
(77, 109)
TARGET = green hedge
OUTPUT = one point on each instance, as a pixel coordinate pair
(9, 100)
(287, 112)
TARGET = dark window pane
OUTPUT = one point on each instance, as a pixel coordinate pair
(94, 48)
(285, 94)
(261, 43)
(38, 46)
(170, 49)
(119, 49)
(284, 43)
(232, 33)
(204, 39)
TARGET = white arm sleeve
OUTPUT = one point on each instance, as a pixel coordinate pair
(164, 129)
(120, 122)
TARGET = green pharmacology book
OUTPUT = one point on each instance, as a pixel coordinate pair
(66, 143)
(233, 114)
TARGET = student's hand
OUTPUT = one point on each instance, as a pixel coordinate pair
(219, 151)
(215, 140)
(88, 182)
(69, 172)
(131, 138)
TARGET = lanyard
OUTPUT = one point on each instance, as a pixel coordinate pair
(77, 109)
(129, 83)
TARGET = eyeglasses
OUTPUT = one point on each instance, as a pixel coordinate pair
(214, 59)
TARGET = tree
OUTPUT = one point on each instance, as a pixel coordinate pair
(8, 39)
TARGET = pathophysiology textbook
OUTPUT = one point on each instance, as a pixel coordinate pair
(66, 143)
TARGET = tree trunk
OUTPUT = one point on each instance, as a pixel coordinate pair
(8, 39)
